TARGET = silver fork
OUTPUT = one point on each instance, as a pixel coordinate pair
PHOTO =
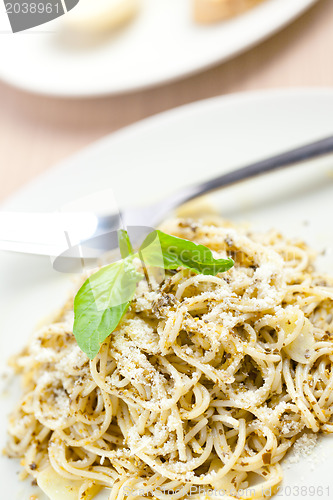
(89, 235)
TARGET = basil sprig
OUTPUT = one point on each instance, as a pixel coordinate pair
(106, 295)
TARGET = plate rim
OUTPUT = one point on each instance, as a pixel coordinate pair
(174, 113)
(161, 80)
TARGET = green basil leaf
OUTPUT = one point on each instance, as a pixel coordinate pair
(125, 244)
(101, 303)
(178, 252)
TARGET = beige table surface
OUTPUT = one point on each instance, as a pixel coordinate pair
(36, 132)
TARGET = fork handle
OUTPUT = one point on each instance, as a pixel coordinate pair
(282, 160)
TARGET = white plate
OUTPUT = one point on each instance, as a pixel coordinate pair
(162, 44)
(151, 159)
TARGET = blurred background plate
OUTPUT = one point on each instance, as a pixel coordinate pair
(153, 158)
(161, 44)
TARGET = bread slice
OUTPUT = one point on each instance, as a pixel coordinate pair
(210, 11)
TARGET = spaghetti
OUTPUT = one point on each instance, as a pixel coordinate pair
(205, 384)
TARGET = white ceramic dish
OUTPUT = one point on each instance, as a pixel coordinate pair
(161, 44)
(148, 160)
